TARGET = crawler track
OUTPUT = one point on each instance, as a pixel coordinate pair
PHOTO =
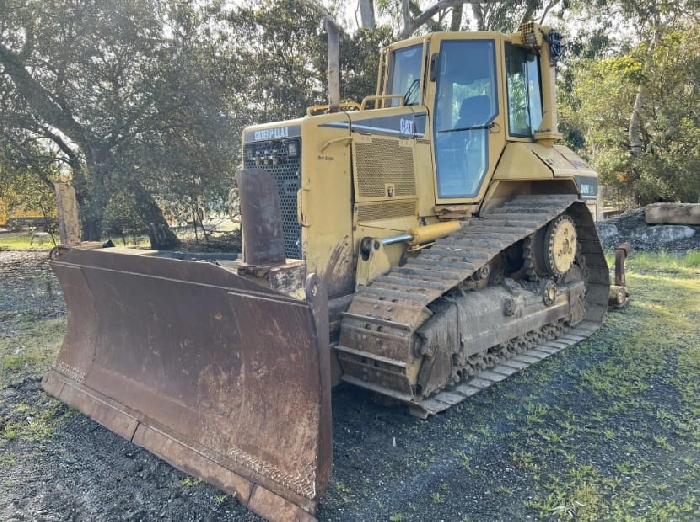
(379, 345)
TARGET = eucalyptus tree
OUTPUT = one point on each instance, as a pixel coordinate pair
(412, 16)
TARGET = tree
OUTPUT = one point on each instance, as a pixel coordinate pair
(665, 162)
(367, 15)
(123, 91)
(27, 183)
(504, 15)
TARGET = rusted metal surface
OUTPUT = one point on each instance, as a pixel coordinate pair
(225, 379)
(621, 254)
(619, 296)
(261, 218)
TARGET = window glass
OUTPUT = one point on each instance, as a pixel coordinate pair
(524, 91)
(404, 75)
(465, 105)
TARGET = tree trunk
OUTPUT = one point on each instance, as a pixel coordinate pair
(367, 18)
(406, 13)
(635, 127)
(479, 16)
(159, 233)
(635, 124)
(457, 13)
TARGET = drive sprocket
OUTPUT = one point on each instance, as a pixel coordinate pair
(560, 241)
(550, 252)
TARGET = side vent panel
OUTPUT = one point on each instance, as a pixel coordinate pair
(384, 162)
(385, 183)
(386, 210)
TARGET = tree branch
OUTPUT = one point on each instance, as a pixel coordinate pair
(431, 11)
(39, 98)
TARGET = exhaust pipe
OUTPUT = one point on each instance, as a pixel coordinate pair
(333, 65)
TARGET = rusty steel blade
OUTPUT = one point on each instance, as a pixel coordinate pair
(223, 378)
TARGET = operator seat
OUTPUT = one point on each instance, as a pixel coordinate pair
(474, 111)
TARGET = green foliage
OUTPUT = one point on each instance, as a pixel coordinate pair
(662, 80)
(359, 61)
(124, 95)
(120, 219)
(190, 482)
(26, 183)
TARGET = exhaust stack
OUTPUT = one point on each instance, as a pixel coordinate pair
(333, 65)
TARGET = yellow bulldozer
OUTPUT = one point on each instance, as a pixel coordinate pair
(422, 245)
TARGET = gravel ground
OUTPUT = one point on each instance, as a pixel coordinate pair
(498, 457)
(29, 288)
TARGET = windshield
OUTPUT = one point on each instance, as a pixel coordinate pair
(404, 75)
(465, 105)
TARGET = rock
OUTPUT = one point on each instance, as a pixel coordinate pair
(632, 227)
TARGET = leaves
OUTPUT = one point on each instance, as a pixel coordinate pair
(602, 101)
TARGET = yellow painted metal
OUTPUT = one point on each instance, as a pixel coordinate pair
(380, 98)
(432, 232)
(533, 35)
(562, 245)
(535, 161)
(497, 135)
(358, 179)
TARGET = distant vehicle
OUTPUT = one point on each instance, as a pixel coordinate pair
(15, 218)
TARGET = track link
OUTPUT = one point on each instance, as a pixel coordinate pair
(378, 345)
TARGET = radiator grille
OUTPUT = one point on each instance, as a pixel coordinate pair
(287, 173)
(383, 162)
(386, 210)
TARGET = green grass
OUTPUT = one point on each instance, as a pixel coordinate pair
(190, 482)
(30, 347)
(639, 406)
(22, 241)
(27, 351)
(677, 263)
(635, 404)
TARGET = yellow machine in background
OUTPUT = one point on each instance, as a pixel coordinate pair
(18, 217)
(435, 234)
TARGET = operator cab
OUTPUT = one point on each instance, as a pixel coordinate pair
(456, 79)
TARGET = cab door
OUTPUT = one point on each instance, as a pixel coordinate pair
(468, 131)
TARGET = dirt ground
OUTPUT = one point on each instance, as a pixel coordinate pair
(607, 429)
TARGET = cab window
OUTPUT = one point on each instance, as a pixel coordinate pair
(404, 75)
(524, 91)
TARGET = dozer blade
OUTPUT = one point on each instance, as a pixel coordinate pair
(223, 378)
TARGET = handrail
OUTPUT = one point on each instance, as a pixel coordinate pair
(381, 97)
(315, 109)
